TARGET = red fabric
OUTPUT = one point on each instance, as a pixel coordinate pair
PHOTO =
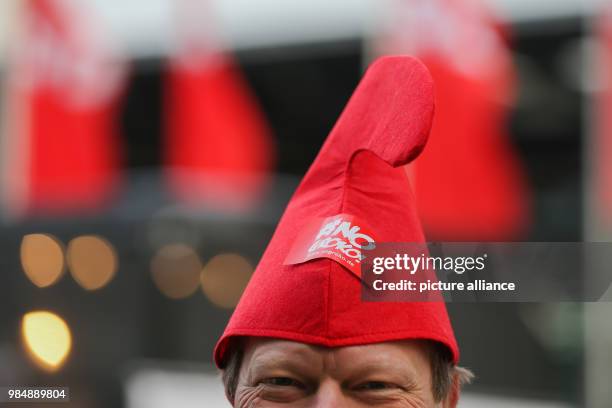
(219, 149)
(468, 183)
(63, 85)
(603, 137)
(385, 125)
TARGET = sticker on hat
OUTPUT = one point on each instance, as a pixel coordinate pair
(342, 238)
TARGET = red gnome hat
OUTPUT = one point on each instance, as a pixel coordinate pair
(356, 184)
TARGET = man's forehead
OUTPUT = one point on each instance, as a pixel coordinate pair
(271, 351)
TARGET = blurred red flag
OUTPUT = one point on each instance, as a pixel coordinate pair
(468, 182)
(219, 149)
(603, 137)
(61, 148)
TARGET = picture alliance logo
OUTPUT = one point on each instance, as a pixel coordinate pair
(342, 236)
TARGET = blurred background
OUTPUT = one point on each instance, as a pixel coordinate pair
(149, 147)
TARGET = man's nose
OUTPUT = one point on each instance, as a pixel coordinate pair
(329, 395)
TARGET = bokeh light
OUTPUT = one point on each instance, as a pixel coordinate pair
(224, 278)
(42, 259)
(47, 339)
(176, 269)
(92, 261)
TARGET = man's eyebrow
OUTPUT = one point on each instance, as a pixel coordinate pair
(384, 371)
(296, 359)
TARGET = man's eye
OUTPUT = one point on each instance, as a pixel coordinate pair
(282, 382)
(375, 386)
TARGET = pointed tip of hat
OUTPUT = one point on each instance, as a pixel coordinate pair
(390, 112)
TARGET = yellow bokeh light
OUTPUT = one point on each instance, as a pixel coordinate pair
(176, 270)
(224, 278)
(47, 339)
(42, 259)
(92, 261)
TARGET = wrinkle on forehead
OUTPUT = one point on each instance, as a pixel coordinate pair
(270, 353)
(410, 358)
(403, 363)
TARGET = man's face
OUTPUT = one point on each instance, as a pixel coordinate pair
(278, 373)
